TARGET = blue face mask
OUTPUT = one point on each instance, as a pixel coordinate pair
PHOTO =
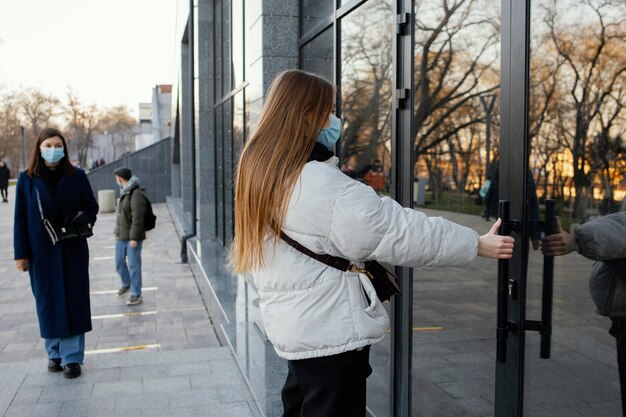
(328, 136)
(52, 155)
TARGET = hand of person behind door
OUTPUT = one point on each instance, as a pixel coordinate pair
(22, 264)
(558, 244)
(492, 245)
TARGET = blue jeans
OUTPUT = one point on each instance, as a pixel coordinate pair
(70, 349)
(131, 273)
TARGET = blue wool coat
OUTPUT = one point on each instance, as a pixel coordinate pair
(59, 274)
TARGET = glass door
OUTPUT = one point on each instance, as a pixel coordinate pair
(563, 119)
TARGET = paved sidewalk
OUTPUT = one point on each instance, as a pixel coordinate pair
(161, 358)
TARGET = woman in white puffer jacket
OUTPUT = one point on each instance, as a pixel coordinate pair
(322, 319)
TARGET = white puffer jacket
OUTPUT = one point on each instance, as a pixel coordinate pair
(310, 309)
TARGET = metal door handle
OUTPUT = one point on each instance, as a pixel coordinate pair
(548, 287)
(503, 287)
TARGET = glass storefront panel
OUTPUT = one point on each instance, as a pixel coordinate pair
(228, 172)
(226, 48)
(238, 26)
(313, 12)
(317, 56)
(218, 44)
(366, 90)
(457, 74)
(577, 120)
(219, 158)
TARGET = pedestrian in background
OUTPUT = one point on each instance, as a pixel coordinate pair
(321, 319)
(603, 239)
(59, 273)
(129, 233)
(5, 175)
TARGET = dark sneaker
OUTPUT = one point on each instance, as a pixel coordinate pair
(134, 300)
(123, 290)
(54, 365)
(71, 370)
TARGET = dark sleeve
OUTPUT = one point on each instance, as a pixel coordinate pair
(21, 241)
(89, 203)
(602, 238)
(138, 214)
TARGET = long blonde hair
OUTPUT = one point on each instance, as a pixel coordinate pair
(295, 109)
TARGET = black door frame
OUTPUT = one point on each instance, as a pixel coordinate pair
(514, 151)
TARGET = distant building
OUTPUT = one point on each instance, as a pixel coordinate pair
(154, 117)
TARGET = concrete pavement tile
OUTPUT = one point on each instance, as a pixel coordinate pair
(141, 372)
(147, 402)
(193, 398)
(90, 407)
(108, 389)
(215, 380)
(77, 390)
(91, 374)
(234, 394)
(27, 396)
(44, 379)
(34, 410)
(169, 384)
(188, 368)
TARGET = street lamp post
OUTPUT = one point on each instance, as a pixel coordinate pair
(488, 101)
(23, 130)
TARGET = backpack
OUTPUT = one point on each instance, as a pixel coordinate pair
(149, 219)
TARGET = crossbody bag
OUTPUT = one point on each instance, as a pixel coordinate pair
(72, 226)
(383, 280)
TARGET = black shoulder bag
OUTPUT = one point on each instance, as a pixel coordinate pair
(383, 280)
(72, 226)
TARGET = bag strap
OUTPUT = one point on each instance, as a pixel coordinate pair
(333, 261)
(38, 200)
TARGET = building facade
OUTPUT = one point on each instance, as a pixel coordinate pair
(449, 90)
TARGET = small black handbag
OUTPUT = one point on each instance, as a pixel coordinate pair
(71, 226)
(383, 280)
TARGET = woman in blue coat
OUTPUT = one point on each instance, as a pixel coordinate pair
(59, 274)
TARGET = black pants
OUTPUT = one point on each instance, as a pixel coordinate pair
(618, 330)
(329, 386)
(5, 194)
(302, 399)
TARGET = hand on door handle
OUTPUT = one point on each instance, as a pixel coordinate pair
(558, 244)
(491, 245)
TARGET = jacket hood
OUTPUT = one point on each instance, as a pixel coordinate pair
(132, 183)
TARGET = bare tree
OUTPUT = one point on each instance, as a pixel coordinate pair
(119, 124)
(39, 110)
(594, 67)
(367, 87)
(82, 123)
(10, 134)
(454, 63)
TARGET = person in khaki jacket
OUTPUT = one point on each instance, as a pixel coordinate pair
(129, 234)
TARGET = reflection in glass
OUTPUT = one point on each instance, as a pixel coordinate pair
(226, 48)
(219, 177)
(317, 55)
(366, 90)
(366, 83)
(238, 39)
(457, 46)
(219, 42)
(312, 12)
(228, 172)
(577, 123)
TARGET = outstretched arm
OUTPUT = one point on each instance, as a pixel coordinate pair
(491, 245)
